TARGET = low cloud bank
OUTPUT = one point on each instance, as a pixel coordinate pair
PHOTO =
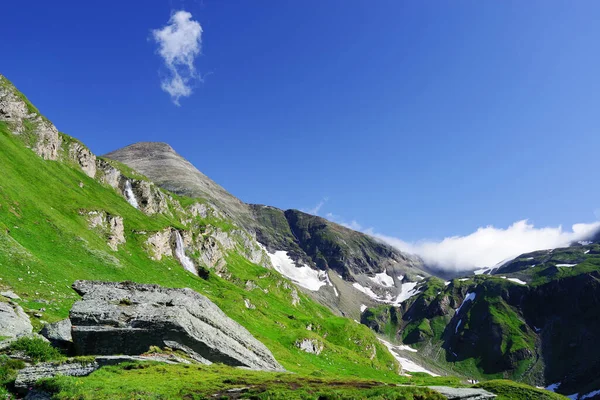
(488, 246)
(485, 247)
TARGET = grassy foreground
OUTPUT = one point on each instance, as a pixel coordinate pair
(158, 381)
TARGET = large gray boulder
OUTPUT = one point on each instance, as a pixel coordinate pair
(59, 334)
(128, 318)
(13, 320)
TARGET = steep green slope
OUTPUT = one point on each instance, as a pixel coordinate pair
(46, 244)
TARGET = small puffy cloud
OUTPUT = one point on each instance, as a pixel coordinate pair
(485, 247)
(179, 43)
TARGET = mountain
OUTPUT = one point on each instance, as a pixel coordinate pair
(158, 250)
(341, 264)
(532, 319)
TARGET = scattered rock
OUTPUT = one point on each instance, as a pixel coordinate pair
(101, 325)
(9, 294)
(191, 353)
(59, 334)
(310, 346)
(295, 297)
(13, 321)
(463, 393)
(249, 305)
(28, 376)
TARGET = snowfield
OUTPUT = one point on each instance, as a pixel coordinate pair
(406, 292)
(407, 365)
(383, 279)
(304, 276)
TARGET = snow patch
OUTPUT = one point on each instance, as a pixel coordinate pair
(585, 252)
(482, 271)
(406, 292)
(383, 279)
(463, 279)
(553, 387)
(469, 297)
(517, 281)
(419, 277)
(566, 265)
(304, 276)
(365, 290)
(400, 277)
(407, 348)
(363, 308)
(590, 395)
(458, 325)
(446, 283)
(407, 365)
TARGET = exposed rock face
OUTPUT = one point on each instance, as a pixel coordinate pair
(13, 320)
(108, 174)
(109, 225)
(9, 294)
(150, 199)
(160, 244)
(127, 318)
(84, 158)
(30, 375)
(463, 393)
(310, 346)
(59, 334)
(49, 141)
(23, 118)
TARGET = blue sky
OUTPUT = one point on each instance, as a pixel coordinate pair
(420, 120)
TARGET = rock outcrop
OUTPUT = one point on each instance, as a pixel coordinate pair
(128, 318)
(83, 157)
(111, 226)
(28, 376)
(59, 334)
(23, 118)
(310, 346)
(160, 244)
(13, 320)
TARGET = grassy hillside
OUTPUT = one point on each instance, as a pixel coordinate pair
(46, 244)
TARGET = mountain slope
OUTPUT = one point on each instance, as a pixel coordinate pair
(534, 319)
(292, 238)
(52, 233)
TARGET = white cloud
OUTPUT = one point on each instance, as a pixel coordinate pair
(315, 210)
(486, 246)
(179, 43)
